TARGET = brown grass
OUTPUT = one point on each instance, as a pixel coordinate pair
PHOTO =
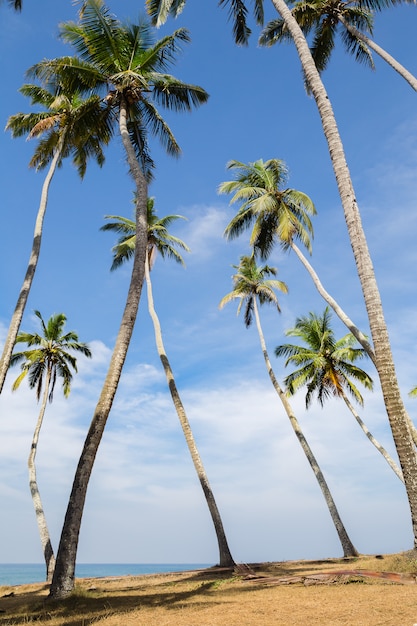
(280, 594)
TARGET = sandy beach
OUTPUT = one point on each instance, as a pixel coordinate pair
(378, 590)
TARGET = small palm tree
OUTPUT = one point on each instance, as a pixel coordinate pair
(47, 358)
(160, 241)
(251, 284)
(67, 125)
(324, 17)
(327, 368)
(277, 215)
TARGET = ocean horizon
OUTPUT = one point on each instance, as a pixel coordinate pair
(12, 574)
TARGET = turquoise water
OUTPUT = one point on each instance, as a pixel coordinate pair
(24, 573)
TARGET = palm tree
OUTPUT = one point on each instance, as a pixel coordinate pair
(326, 367)
(160, 241)
(47, 358)
(397, 415)
(122, 59)
(324, 17)
(277, 214)
(68, 125)
(251, 284)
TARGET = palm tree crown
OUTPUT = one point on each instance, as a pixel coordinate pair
(123, 62)
(326, 365)
(325, 18)
(48, 353)
(159, 239)
(159, 10)
(276, 214)
(73, 125)
(250, 283)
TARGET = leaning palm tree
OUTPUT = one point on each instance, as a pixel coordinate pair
(277, 214)
(47, 358)
(324, 17)
(281, 215)
(326, 366)
(250, 285)
(162, 242)
(124, 63)
(67, 125)
(397, 415)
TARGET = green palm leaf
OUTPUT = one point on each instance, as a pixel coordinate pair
(326, 367)
(276, 214)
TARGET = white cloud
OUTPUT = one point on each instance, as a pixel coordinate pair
(144, 484)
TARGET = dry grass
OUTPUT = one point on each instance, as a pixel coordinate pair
(223, 598)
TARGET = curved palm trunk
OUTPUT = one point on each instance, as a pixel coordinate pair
(348, 323)
(347, 545)
(397, 415)
(372, 439)
(30, 272)
(334, 305)
(225, 556)
(63, 580)
(402, 71)
(46, 544)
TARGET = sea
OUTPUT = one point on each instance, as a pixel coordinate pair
(24, 573)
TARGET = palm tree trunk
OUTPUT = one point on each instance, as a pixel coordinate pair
(402, 71)
(347, 321)
(63, 580)
(30, 272)
(372, 439)
(347, 545)
(45, 538)
(225, 556)
(397, 415)
(334, 305)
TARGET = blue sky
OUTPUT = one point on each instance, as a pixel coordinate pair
(144, 503)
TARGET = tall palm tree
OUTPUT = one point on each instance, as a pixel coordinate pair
(68, 125)
(48, 357)
(326, 366)
(160, 241)
(250, 285)
(277, 214)
(397, 415)
(324, 17)
(123, 61)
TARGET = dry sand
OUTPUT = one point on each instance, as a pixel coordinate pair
(333, 592)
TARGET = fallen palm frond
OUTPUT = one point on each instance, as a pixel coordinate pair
(335, 576)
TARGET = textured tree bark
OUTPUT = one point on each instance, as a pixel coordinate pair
(400, 69)
(45, 538)
(63, 580)
(398, 418)
(225, 556)
(347, 545)
(372, 439)
(31, 269)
